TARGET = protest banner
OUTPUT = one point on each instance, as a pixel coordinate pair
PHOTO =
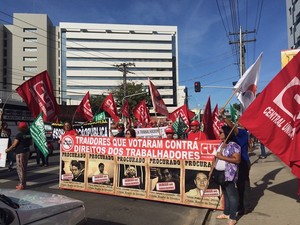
(3, 146)
(153, 169)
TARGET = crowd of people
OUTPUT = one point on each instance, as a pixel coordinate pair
(231, 166)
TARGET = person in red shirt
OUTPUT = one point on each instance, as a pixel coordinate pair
(195, 133)
(69, 129)
(169, 132)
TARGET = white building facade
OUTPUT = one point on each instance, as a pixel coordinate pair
(81, 57)
(91, 52)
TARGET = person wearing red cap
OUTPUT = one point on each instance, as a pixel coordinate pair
(21, 146)
(195, 133)
(169, 132)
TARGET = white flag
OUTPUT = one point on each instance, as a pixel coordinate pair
(247, 84)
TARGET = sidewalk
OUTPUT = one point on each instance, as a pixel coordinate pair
(273, 194)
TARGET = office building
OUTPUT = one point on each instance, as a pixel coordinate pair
(81, 57)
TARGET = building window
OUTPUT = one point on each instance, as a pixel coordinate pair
(29, 39)
(31, 30)
(30, 68)
(30, 59)
(30, 49)
(5, 43)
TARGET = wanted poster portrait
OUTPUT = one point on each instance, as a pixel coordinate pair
(131, 176)
(73, 168)
(100, 173)
(195, 182)
(165, 179)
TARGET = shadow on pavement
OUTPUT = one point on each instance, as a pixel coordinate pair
(91, 221)
(288, 188)
(260, 186)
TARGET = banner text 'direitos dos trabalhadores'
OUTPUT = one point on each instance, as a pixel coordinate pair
(140, 147)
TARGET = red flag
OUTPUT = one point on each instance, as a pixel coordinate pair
(182, 111)
(84, 107)
(141, 112)
(217, 124)
(109, 105)
(125, 109)
(208, 121)
(157, 101)
(38, 94)
(274, 116)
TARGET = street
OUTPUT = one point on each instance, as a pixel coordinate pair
(105, 209)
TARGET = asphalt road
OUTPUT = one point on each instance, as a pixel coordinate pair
(106, 209)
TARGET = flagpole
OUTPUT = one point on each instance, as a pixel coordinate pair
(74, 116)
(233, 93)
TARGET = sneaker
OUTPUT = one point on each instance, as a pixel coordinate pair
(20, 187)
(262, 157)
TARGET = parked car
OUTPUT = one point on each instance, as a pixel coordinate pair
(33, 207)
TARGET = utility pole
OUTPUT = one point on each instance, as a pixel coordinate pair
(241, 42)
(123, 67)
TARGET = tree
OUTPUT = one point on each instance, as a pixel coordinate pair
(96, 101)
(132, 89)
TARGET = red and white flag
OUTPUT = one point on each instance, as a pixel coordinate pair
(38, 94)
(157, 101)
(141, 112)
(125, 109)
(274, 116)
(247, 84)
(184, 113)
(109, 105)
(84, 107)
(208, 121)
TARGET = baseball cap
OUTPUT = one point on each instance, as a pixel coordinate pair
(22, 125)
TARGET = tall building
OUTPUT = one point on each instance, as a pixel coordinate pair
(81, 57)
(90, 55)
(293, 23)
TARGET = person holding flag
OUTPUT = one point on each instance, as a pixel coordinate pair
(243, 183)
(227, 159)
(21, 146)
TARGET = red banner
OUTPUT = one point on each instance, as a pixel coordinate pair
(139, 147)
(38, 94)
(274, 116)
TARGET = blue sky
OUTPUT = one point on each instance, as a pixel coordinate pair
(203, 44)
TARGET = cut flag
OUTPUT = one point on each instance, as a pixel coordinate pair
(84, 108)
(109, 105)
(179, 126)
(157, 101)
(141, 113)
(38, 94)
(184, 113)
(37, 131)
(99, 117)
(247, 85)
(274, 116)
(125, 109)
